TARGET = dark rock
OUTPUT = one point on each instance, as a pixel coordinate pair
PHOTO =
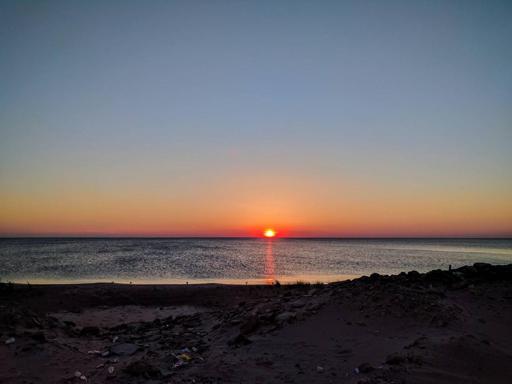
(69, 323)
(482, 266)
(142, 368)
(365, 368)
(39, 337)
(239, 340)
(90, 331)
(468, 271)
(250, 325)
(298, 304)
(395, 359)
(124, 349)
(414, 359)
(375, 276)
(286, 317)
(438, 276)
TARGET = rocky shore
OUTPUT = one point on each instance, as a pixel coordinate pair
(438, 327)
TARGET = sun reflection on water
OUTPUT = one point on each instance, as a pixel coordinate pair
(270, 276)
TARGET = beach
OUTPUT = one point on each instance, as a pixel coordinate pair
(438, 327)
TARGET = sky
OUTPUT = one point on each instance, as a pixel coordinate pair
(222, 118)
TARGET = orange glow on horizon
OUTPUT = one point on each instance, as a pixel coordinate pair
(269, 232)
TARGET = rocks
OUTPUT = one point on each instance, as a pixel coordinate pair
(10, 340)
(126, 349)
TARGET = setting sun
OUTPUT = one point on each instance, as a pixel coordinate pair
(269, 233)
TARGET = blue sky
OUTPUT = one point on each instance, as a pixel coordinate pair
(165, 99)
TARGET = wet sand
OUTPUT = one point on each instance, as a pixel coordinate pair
(440, 327)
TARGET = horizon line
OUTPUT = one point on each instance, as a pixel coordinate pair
(79, 236)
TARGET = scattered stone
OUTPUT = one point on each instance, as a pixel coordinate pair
(319, 369)
(10, 340)
(78, 374)
(127, 349)
(111, 371)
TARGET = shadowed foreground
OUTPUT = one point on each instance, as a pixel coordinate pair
(439, 327)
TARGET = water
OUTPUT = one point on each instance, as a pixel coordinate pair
(234, 260)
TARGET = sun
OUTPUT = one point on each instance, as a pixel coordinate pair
(269, 232)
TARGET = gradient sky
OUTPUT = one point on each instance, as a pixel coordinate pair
(318, 118)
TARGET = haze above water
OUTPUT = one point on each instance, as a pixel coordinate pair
(253, 261)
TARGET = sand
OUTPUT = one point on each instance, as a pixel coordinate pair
(439, 327)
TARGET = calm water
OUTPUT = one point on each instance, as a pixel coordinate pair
(234, 260)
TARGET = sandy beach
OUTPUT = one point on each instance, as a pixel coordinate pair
(438, 327)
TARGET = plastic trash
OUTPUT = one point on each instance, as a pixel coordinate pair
(179, 363)
(184, 357)
(111, 370)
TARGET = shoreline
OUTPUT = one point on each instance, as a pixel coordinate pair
(440, 326)
(284, 280)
